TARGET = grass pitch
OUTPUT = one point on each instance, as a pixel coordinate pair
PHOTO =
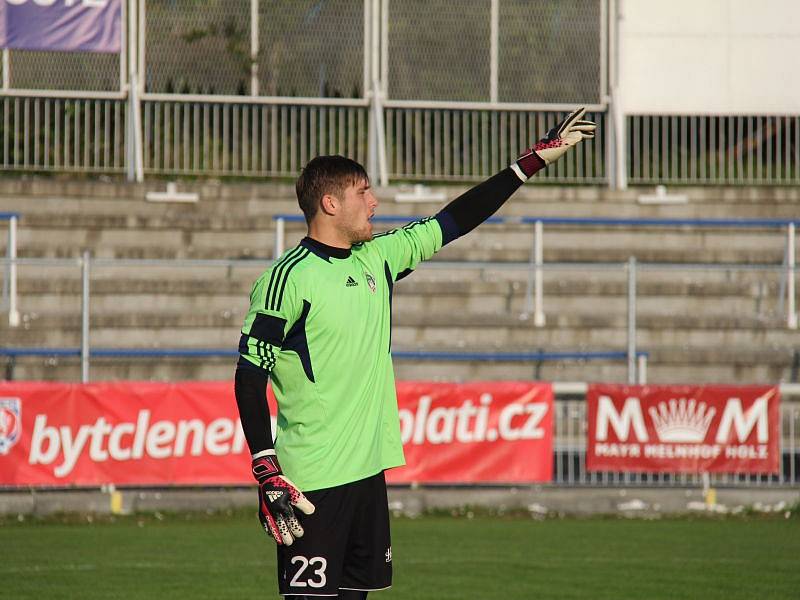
(435, 558)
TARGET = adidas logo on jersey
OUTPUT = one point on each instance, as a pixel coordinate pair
(351, 282)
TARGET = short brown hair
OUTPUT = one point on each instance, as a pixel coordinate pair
(326, 175)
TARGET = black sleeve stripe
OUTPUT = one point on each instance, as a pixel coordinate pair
(277, 270)
(403, 274)
(285, 277)
(268, 328)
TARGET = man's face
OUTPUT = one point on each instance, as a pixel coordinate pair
(358, 208)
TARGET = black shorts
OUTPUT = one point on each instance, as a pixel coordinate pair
(345, 545)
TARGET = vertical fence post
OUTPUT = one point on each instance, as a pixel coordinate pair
(385, 48)
(6, 69)
(377, 137)
(254, 47)
(641, 372)
(133, 142)
(616, 158)
(494, 28)
(11, 252)
(85, 266)
(533, 289)
(538, 258)
(367, 45)
(141, 69)
(791, 262)
(370, 68)
(632, 320)
(280, 232)
(123, 46)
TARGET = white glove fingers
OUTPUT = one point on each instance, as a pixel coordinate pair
(570, 120)
(295, 527)
(283, 529)
(303, 505)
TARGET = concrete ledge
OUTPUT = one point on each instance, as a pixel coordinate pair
(538, 500)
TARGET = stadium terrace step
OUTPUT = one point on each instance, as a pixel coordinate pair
(724, 325)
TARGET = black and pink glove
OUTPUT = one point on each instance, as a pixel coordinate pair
(277, 499)
(551, 147)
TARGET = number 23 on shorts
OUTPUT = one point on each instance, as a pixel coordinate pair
(310, 572)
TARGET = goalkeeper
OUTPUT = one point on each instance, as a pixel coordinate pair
(319, 326)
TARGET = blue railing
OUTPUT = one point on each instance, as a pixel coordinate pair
(534, 357)
(604, 221)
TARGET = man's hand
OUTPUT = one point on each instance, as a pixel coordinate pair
(276, 498)
(558, 140)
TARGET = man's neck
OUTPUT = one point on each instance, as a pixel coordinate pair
(328, 237)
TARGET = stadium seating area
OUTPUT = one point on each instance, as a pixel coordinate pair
(698, 325)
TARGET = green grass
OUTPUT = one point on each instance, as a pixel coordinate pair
(435, 558)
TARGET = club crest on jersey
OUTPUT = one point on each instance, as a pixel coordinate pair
(10, 423)
(370, 282)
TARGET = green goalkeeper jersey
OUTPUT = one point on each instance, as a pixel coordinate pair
(320, 324)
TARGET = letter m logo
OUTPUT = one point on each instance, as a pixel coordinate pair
(735, 417)
(621, 422)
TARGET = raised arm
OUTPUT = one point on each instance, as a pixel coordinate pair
(476, 205)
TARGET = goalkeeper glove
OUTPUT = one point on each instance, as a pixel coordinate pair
(276, 498)
(554, 145)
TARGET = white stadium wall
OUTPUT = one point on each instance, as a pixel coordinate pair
(709, 57)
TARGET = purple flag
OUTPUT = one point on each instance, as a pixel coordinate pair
(67, 25)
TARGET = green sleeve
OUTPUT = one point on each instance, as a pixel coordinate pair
(404, 248)
(273, 310)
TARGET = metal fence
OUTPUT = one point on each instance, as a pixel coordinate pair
(569, 466)
(436, 144)
(725, 150)
(415, 89)
(63, 134)
(194, 136)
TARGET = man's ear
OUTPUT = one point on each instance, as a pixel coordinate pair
(329, 204)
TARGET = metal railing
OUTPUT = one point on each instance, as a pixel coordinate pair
(534, 296)
(570, 434)
(61, 132)
(85, 354)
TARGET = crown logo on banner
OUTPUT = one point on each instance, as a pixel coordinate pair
(681, 420)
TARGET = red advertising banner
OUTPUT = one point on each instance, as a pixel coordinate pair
(683, 429)
(498, 431)
(123, 433)
(132, 433)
